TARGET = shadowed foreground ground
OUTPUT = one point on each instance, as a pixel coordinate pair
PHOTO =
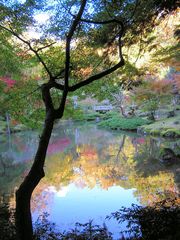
(161, 221)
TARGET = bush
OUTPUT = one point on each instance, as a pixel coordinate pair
(7, 223)
(159, 221)
(110, 115)
(75, 114)
(124, 123)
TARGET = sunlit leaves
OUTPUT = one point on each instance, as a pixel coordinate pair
(55, 59)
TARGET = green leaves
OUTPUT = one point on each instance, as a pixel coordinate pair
(117, 122)
(24, 104)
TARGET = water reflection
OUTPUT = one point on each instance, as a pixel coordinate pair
(90, 172)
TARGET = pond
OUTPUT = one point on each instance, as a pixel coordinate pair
(90, 173)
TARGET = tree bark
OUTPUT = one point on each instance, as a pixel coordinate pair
(23, 195)
(122, 111)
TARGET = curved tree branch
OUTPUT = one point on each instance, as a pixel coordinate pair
(49, 45)
(69, 38)
(96, 77)
(102, 22)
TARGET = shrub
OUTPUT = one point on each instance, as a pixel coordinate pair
(124, 123)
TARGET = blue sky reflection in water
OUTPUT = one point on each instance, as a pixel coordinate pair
(85, 196)
(72, 204)
(90, 172)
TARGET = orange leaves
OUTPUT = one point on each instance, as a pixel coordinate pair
(88, 153)
(153, 88)
(84, 72)
(160, 86)
(24, 55)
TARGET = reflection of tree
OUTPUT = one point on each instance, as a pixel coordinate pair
(41, 199)
(147, 157)
(124, 161)
(58, 145)
(154, 188)
(121, 147)
(98, 158)
(10, 174)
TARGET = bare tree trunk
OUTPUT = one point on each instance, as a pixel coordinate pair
(23, 194)
(122, 111)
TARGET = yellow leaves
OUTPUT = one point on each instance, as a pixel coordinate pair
(129, 152)
(153, 188)
(100, 52)
(166, 28)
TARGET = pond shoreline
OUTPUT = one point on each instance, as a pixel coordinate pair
(167, 128)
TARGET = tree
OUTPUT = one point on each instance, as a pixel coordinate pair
(73, 23)
(151, 94)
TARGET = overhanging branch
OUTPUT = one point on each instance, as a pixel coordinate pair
(102, 22)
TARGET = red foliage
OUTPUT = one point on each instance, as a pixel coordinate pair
(14, 122)
(8, 81)
(58, 146)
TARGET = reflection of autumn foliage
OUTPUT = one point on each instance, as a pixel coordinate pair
(58, 146)
(59, 169)
(154, 188)
(87, 152)
(128, 165)
(41, 199)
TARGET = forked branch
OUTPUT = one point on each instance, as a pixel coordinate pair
(30, 48)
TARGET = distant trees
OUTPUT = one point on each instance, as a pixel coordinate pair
(151, 94)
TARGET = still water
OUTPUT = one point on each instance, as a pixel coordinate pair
(90, 173)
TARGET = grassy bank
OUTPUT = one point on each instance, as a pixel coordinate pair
(169, 127)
